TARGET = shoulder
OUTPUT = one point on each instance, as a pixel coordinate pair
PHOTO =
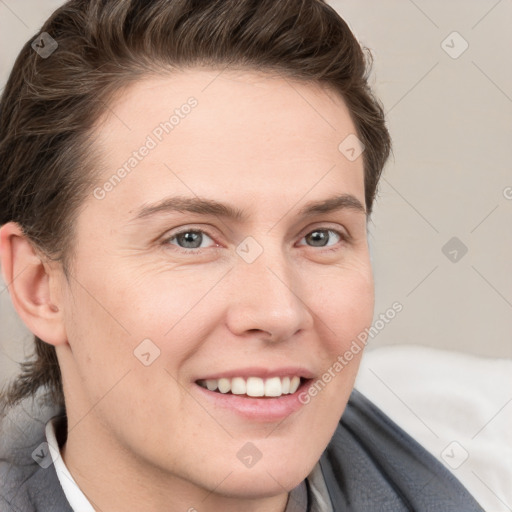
(28, 481)
(372, 464)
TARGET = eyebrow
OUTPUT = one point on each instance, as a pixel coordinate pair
(211, 207)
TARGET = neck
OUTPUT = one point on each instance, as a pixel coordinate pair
(116, 480)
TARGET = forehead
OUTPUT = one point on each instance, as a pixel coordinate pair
(207, 130)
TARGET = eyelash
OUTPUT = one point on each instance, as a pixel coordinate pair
(343, 238)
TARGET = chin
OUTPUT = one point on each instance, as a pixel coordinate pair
(264, 482)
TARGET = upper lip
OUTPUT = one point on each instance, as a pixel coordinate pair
(262, 372)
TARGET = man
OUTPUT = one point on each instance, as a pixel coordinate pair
(201, 262)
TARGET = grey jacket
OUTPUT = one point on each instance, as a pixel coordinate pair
(370, 465)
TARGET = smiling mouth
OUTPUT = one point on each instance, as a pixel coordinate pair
(255, 387)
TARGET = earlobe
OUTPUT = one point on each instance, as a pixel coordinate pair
(29, 280)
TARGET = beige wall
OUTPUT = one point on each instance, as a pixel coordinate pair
(450, 120)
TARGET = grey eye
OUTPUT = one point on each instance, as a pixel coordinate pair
(320, 237)
(191, 239)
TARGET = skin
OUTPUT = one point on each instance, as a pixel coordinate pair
(266, 146)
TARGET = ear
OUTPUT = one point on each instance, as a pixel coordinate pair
(33, 284)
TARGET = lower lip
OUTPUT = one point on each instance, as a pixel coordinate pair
(258, 409)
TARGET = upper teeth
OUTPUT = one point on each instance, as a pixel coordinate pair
(253, 386)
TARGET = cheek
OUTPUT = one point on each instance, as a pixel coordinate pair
(101, 345)
(345, 306)
(117, 318)
(344, 302)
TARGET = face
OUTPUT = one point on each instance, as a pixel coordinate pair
(171, 293)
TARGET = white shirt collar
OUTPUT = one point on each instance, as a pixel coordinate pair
(76, 498)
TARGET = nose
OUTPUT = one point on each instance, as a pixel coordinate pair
(267, 298)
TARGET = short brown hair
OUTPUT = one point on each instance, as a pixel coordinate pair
(49, 105)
